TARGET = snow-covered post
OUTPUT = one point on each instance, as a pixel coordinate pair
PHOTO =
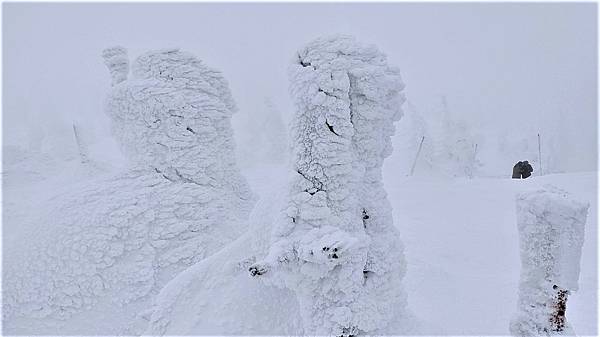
(412, 168)
(335, 245)
(81, 146)
(551, 232)
(117, 61)
(540, 153)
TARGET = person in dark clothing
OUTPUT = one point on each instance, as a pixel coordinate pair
(522, 170)
(526, 169)
(517, 170)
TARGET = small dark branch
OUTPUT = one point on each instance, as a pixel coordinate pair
(330, 128)
(366, 274)
(351, 331)
(560, 307)
(257, 270)
(174, 114)
(318, 185)
(327, 93)
(332, 252)
(185, 179)
(190, 130)
(365, 217)
(305, 64)
(312, 191)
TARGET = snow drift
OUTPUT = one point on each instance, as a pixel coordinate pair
(113, 244)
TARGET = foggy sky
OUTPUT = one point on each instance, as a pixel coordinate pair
(503, 66)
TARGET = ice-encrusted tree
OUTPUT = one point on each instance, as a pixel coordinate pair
(415, 142)
(334, 243)
(265, 140)
(456, 145)
(115, 242)
(551, 232)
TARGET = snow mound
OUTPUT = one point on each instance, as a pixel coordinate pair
(115, 242)
(551, 233)
(217, 296)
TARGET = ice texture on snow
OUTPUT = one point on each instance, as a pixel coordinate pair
(174, 116)
(334, 243)
(551, 232)
(119, 240)
(217, 296)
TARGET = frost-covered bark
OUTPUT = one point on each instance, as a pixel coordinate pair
(117, 241)
(335, 244)
(551, 232)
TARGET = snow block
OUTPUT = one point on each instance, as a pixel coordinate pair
(551, 232)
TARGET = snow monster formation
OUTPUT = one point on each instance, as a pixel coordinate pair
(103, 252)
(334, 244)
(551, 232)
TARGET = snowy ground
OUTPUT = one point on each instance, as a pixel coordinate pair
(461, 245)
(460, 237)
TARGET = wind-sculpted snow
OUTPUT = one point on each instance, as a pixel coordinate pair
(117, 241)
(173, 117)
(327, 255)
(551, 232)
(334, 244)
(217, 296)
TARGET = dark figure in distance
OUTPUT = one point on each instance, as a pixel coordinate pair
(522, 169)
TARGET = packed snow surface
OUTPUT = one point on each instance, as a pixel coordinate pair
(462, 250)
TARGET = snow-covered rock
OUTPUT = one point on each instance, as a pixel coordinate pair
(551, 232)
(115, 242)
(334, 243)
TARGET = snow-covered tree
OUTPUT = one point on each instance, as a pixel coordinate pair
(265, 139)
(115, 242)
(334, 244)
(415, 143)
(551, 231)
(117, 61)
(456, 146)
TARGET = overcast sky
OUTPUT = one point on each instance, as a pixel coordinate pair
(504, 66)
